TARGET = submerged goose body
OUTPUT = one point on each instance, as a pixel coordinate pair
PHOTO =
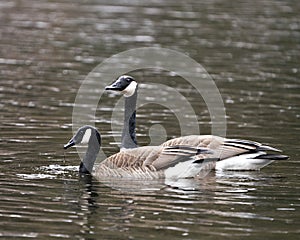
(149, 162)
(155, 162)
(233, 154)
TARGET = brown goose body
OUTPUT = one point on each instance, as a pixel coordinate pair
(154, 162)
(233, 154)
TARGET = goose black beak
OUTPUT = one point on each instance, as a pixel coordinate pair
(114, 87)
(69, 144)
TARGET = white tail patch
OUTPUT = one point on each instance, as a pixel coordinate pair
(243, 162)
(86, 137)
(130, 89)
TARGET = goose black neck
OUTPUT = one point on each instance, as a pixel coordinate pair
(87, 164)
(128, 134)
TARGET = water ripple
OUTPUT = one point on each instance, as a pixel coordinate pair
(47, 49)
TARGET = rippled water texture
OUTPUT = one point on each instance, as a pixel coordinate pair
(47, 48)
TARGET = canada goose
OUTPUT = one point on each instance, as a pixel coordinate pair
(150, 162)
(233, 154)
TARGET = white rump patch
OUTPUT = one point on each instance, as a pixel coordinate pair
(86, 136)
(243, 162)
(130, 89)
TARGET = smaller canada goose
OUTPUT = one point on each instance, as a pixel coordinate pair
(150, 162)
(233, 154)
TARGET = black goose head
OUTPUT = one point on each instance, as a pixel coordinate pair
(83, 136)
(87, 135)
(125, 84)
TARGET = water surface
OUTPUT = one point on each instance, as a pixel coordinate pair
(46, 50)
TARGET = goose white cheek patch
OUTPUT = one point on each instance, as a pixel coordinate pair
(86, 136)
(129, 90)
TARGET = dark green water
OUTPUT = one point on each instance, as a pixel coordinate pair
(47, 48)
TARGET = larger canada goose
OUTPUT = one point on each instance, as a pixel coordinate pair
(233, 154)
(150, 162)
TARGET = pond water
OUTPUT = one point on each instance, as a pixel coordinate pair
(251, 49)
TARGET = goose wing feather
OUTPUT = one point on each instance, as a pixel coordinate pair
(170, 156)
(223, 148)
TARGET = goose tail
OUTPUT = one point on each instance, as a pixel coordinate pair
(250, 161)
(272, 157)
